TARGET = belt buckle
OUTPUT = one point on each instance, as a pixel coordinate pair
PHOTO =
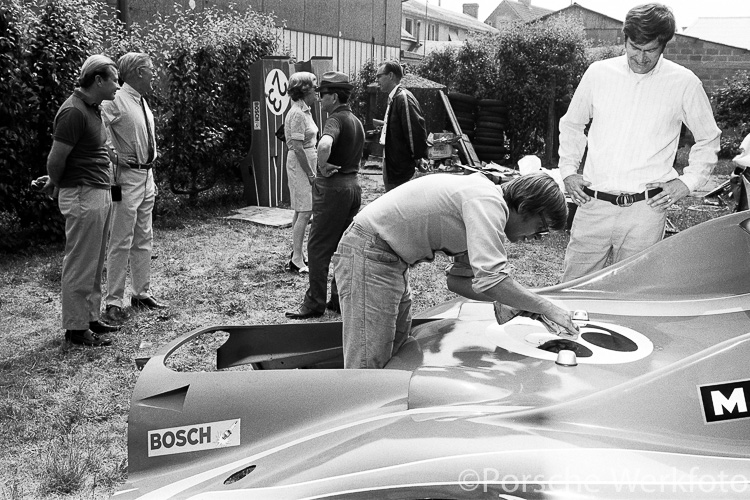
(625, 200)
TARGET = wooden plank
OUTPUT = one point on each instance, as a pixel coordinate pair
(469, 150)
(463, 142)
(275, 217)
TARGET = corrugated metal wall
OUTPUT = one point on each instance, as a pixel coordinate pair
(350, 31)
(348, 55)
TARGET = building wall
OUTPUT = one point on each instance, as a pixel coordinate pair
(348, 55)
(600, 30)
(502, 15)
(712, 62)
(372, 21)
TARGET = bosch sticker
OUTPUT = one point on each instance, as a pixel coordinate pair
(194, 438)
(725, 401)
(256, 115)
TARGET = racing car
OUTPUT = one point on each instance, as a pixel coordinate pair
(652, 398)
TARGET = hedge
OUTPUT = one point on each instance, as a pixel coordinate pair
(201, 101)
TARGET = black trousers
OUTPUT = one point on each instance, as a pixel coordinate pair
(336, 200)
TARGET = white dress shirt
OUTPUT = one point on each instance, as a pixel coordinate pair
(126, 125)
(387, 112)
(635, 128)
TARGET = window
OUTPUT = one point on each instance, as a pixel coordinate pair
(432, 31)
(409, 25)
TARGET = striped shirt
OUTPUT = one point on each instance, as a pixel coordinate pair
(635, 127)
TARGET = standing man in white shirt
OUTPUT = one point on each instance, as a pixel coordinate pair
(132, 147)
(636, 104)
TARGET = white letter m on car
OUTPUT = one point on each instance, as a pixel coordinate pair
(735, 400)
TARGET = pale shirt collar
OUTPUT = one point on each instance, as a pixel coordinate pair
(655, 71)
(126, 88)
(302, 105)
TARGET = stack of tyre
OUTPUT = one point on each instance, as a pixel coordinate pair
(489, 131)
(465, 108)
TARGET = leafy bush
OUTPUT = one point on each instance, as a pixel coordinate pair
(41, 51)
(203, 103)
(732, 112)
(359, 100)
(729, 147)
(532, 68)
(732, 102)
(539, 66)
(439, 66)
(594, 54)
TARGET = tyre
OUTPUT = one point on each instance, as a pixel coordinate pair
(462, 98)
(482, 124)
(490, 150)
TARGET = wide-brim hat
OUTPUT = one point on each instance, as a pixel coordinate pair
(335, 80)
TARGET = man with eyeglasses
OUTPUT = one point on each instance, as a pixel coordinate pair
(132, 150)
(467, 216)
(636, 104)
(403, 134)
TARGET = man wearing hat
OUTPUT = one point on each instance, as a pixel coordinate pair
(78, 168)
(337, 195)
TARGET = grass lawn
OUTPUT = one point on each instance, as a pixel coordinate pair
(64, 408)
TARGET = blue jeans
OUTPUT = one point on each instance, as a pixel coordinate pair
(375, 298)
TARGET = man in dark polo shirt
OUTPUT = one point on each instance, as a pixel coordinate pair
(337, 195)
(78, 168)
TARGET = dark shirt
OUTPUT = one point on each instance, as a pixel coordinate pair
(405, 136)
(79, 124)
(348, 139)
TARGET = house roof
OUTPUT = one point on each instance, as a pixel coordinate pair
(521, 10)
(440, 15)
(725, 30)
(578, 7)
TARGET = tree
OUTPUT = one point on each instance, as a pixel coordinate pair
(539, 66)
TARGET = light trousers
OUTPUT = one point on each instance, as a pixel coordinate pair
(375, 298)
(601, 230)
(131, 237)
(87, 215)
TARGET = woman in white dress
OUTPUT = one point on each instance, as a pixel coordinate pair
(301, 135)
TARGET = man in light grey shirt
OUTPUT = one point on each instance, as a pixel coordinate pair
(132, 149)
(457, 215)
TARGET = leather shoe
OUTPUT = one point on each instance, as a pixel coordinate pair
(87, 337)
(333, 305)
(147, 303)
(99, 328)
(114, 314)
(304, 312)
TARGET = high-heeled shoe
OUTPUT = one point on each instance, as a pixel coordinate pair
(291, 267)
